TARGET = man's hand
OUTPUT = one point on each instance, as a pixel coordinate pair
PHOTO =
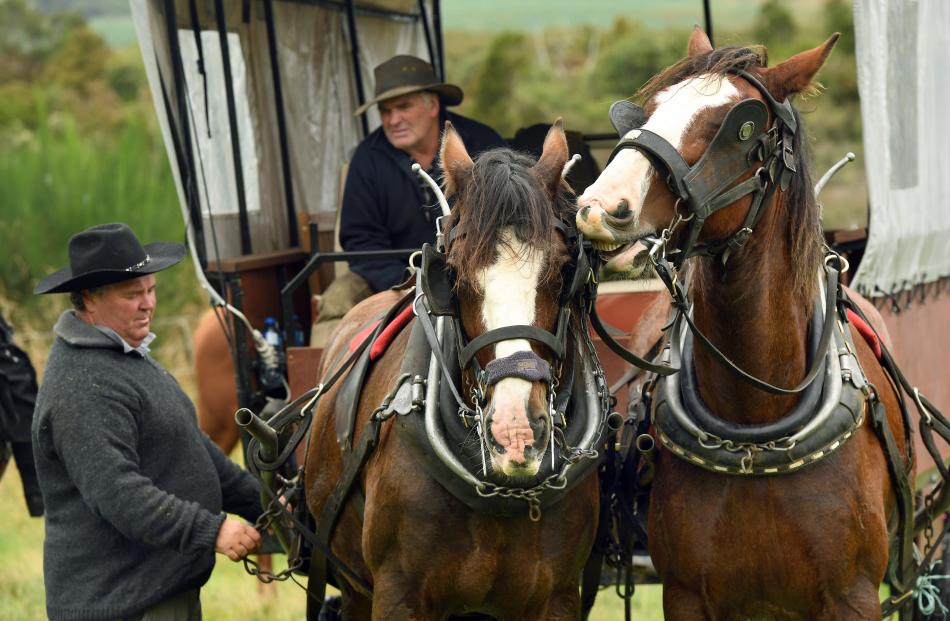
(236, 539)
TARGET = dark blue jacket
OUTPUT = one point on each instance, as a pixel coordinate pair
(385, 206)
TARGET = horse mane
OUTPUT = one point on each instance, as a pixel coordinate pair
(502, 192)
(802, 225)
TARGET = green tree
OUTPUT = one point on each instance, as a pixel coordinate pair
(774, 23)
(839, 18)
(29, 37)
(497, 79)
(81, 60)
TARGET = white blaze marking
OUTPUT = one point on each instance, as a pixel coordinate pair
(677, 106)
(510, 291)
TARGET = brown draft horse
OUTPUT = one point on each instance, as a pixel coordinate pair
(812, 544)
(426, 554)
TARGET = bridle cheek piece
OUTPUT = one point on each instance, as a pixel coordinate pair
(743, 139)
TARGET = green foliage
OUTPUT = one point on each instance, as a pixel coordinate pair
(79, 61)
(634, 57)
(63, 179)
(838, 17)
(28, 38)
(496, 81)
(774, 23)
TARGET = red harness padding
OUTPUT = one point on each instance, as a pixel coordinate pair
(867, 332)
(385, 337)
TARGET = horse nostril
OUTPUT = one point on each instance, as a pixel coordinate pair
(584, 212)
(623, 209)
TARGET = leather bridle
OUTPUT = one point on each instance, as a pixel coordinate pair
(744, 138)
(438, 287)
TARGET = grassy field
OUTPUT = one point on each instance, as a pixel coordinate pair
(230, 595)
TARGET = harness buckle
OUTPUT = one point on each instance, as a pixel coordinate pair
(739, 238)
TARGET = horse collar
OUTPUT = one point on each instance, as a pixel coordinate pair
(827, 415)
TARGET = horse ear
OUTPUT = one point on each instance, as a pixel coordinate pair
(454, 159)
(698, 42)
(553, 157)
(795, 74)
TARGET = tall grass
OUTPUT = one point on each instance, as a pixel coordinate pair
(61, 179)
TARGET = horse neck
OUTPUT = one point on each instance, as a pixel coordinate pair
(751, 313)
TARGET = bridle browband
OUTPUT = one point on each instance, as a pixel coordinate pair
(744, 138)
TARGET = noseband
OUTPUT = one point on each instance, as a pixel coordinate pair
(743, 139)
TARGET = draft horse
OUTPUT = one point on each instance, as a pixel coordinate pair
(432, 546)
(767, 501)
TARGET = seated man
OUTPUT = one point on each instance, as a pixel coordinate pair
(385, 205)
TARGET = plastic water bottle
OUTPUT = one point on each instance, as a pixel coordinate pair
(297, 336)
(271, 333)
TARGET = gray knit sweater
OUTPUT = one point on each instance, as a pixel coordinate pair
(134, 491)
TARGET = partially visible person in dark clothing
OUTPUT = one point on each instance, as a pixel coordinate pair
(135, 493)
(385, 205)
(17, 399)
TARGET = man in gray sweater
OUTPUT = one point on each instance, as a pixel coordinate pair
(135, 493)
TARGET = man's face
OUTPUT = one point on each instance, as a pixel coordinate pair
(126, 307)
(409, 119)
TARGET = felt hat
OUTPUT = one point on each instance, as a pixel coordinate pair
(403, 74)
(106, 254)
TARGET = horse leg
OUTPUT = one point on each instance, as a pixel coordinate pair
(562, 605)
(682, 604)
(356, 606)
(399, 599)
(858, 603)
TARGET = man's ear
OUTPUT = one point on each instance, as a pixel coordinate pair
(454, 160)
(553, 157)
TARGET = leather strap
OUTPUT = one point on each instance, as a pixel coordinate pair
(555, 342)
(623, 352)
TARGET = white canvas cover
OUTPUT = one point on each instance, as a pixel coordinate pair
(319, 92)
(903, 57)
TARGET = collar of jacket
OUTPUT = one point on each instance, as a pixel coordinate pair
(78, 333)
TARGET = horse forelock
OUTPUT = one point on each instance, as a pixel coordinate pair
(503, 193)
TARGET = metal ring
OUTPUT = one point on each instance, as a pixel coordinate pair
(843, 264)
(676, 206)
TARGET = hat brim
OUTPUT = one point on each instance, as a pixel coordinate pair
(162, 255)
(450, 94)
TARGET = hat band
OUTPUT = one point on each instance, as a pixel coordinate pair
(139, 265)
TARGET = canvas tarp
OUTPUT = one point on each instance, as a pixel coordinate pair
(903, 64)
(319, 91)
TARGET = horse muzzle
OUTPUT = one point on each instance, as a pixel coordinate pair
(607, 231)
(517, 431)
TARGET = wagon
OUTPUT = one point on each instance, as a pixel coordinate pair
(254, 102)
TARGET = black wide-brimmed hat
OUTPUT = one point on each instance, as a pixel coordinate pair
(106, 254)
(401, 75)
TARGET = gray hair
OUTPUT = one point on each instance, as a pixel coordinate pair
(76, 297)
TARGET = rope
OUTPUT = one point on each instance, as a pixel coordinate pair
(928, 594)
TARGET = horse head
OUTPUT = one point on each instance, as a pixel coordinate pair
(713, 110)
(507, 255)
